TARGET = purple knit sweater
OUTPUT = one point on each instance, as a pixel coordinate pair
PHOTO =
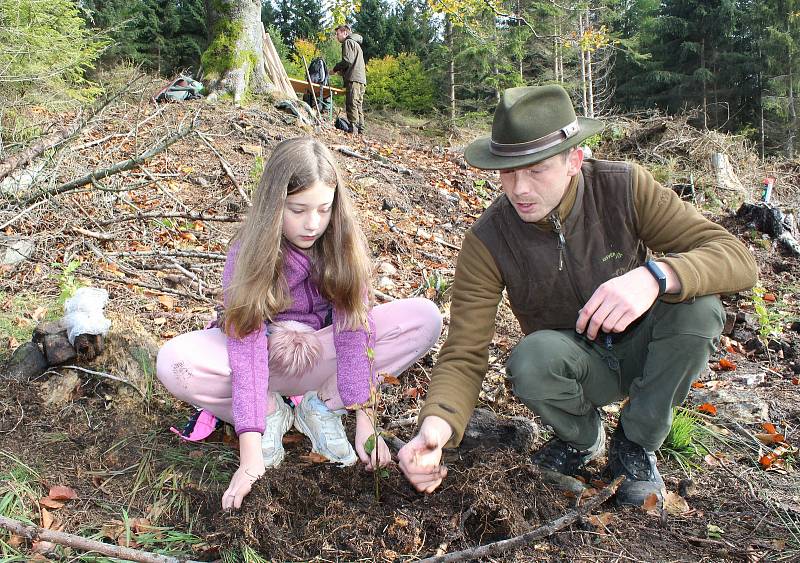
(248, 356)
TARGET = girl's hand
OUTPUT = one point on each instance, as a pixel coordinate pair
(380, 456)
(240, 485)
(251, 467)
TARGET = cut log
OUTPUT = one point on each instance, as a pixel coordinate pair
(726, 177)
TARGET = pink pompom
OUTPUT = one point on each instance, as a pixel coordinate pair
(293, 348)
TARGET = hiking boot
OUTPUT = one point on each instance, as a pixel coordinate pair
(557, 457)
(325, 429)
(277, 424)
(642, 478)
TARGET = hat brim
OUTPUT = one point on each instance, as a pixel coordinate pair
(478, 154)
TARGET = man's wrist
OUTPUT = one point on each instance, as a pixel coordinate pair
(437, 428)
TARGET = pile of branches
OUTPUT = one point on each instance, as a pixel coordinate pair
(133, 196)
(680, 151)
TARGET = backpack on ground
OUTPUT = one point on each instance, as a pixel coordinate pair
(343, 124)
(181, 89)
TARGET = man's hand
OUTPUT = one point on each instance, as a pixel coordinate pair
(420, 458)
(621, 300)
(380, 455)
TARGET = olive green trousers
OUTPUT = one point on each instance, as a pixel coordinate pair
(563, 377)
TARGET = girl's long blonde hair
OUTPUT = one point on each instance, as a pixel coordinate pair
(341, 266)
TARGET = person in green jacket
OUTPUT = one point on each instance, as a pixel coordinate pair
(614, 281)
(353, 71)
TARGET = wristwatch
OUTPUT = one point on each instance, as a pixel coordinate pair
(658, 273)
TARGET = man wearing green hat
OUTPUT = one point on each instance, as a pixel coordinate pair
(570, 241)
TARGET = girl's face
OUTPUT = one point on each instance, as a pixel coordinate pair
(306, 214)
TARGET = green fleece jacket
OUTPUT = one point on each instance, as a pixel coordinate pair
(706, 258)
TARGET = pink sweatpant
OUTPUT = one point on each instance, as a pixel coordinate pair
(194, 366)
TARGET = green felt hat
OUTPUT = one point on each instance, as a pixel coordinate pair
(530, 124)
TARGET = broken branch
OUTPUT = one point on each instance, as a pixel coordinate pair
(32, 533)
(495, 548)
(111, 170)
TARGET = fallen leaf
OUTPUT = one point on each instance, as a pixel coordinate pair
(675, 505)
(769, 428)
(601, 521)
(51, 503)
(42, 547)
(726, 364)
(13, 343)
(39, 313)
(796, 381)
(708, 408)
(314, 457)
(650, 504)
(698, 385)
(770, 439)
(769, 297)
(766, 461)
(159, 321)
(62, 492)
(47, 519)
(390, 380)
(167, 301)
(293, 438)
(15, 540)
(711, 460)
(412, 393)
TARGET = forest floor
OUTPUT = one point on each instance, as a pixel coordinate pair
(155, 238)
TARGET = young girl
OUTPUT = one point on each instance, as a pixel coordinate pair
(297, 322)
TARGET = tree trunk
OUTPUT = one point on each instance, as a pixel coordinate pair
(582, 51)
(792, 111)
(233, 63)
(451, 74)
(589, 76)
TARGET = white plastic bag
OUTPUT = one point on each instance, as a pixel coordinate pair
(83, 313)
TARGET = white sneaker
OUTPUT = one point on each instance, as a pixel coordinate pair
(325, 429)
(277, 424)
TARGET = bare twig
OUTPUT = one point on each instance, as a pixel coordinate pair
(93, 234)
(111, 170)
(32, 532)
(161, 215)
(227, 169)
(495, 548)
(107, 376)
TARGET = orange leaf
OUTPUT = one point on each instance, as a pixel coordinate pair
(766, 460)
(769, 297)
(726, 364)
(62, 492)
(698, 384)
(650, 504)
(390, 380)
(771, 438)
(796, 381)
(51, 503)
(292, 439)
(708, 408)
(314, 457)
(413, 392)
(769, 428)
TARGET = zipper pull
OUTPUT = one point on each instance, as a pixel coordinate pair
(562, 242)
